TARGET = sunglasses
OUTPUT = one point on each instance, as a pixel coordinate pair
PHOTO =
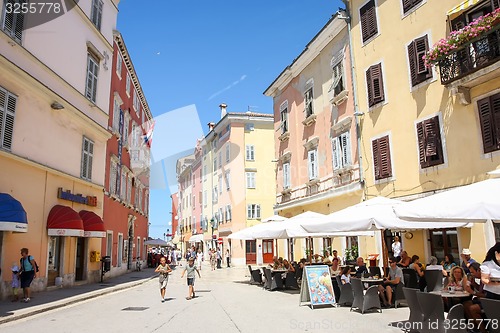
(391, 262)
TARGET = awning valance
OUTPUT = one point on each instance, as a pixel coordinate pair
(196, 238)
(64, 221)
(92, 224)
(12, 214)
(462, 6)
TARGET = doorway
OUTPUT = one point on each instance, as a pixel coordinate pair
(80, 259)
(250, 251)
(53, 269)
(267, 250)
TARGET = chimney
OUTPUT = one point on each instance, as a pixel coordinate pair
(223, 111)
(211, 126)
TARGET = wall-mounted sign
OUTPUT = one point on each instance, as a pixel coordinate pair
(67, 195)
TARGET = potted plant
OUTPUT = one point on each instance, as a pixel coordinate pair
(351, 255)
(458, 38)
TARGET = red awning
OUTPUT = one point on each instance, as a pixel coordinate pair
(64, 221)
(92, 224)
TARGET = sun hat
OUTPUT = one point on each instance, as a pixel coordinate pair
(466, 252)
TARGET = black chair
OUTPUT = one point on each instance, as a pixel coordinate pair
(434, 280)
(433, 315)
(291, 281)
(412, 281)
(346, 295)
(416, 314)
(364, 301)
(269, 278)
(255, 275)
(375, 270)
(398, 295)
(491, 309)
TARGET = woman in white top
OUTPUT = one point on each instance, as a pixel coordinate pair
(490, 272)
(199, 259)
(396, 248)
(346, 275)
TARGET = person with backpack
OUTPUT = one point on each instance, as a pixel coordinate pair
(28, 269)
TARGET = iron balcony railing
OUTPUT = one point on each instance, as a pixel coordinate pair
(471, 57)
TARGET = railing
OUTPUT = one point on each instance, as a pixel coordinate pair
(471, 57)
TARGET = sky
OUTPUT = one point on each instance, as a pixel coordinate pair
(192, 55)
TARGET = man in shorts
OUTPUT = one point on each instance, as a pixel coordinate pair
(386, 289)
(191, 270)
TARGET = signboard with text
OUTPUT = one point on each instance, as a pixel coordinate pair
(317, 287)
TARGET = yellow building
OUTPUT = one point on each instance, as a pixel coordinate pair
(426, 129)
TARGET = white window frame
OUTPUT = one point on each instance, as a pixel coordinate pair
(220, 184)
(250, 152)
(205, 198)
(228, 213)
(96, 13)
(136, 104)
(253, 212)
(87, 159)
(127, 85)
(92, 78)
(113, 170)
(286, 175)
(14, 31)
(250, 179)
(312, 163)
(309, 98)
(227, 178)
(341, 151)
(284, 117)
(116, 115)
(109, 244)
(119, 62)
(228, 152)
(7, 118)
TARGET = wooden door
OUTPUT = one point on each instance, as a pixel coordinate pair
(267, 250)
(250, 249)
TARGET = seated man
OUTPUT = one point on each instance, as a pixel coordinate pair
(472, 308)
(361, 268)
(387, 288)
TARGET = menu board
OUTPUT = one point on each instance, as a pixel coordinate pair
(317, 287)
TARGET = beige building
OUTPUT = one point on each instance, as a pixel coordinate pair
(54, 95)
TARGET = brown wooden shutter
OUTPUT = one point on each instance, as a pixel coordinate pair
(385, 157)
(376, 159)
(421, 145)
(372, 19)
(412, 60)
(407, 5)
(368, 20)
(377, 83)
(364, 23)
(369, 87)
(487, 125)
(416, 50)
(495, 107)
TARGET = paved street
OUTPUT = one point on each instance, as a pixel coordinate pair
(225, 302)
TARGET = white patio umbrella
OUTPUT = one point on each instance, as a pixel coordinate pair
(373, 214)
(274, 218)
(477, 202)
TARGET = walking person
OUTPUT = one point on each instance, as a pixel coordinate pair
(27, 272)
(219, 258)
(213, 259)
(190, 269)
(164, 270)
(199, 259)
(16, 283)
(228, 256)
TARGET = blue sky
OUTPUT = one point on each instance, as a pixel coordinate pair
(192, 55)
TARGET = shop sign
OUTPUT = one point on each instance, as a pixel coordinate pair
(67, 195)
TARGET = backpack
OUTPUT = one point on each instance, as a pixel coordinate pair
(29, 257)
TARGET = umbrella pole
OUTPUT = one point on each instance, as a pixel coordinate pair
(385, 253)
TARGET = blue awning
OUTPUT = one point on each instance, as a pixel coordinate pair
(12, 214)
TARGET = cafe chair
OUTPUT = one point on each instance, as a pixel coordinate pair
(416, 314)
(269, 278)
(346, 295)
(433, 315)
(398, 295)
(291, 281)
(412, 281)
(491, 309)
(364, 301)
(375, 270)
(255, 275)
(434, 279)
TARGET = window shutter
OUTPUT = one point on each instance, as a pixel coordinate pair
(412, 60)
(257, 211)
(7, 114)
(487, 126)
(368, 20)
(8, 21)
(407, 5)
(421, 145)
(377, 83)
(369, 87)
(19, 25)
(376, 159)
(495, 103)
(346, 149)
(372, 19)
(431, 133)
(336, 153)
(421, 46)
(385, 157)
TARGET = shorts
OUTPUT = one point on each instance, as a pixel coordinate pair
(27, 278)
(163, 281)
(190, 281)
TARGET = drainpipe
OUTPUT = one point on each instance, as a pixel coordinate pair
(357, 113)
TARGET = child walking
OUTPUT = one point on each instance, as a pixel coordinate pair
(163, 269)
(16, 283)
(190, 269)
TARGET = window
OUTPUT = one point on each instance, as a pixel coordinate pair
(286, 176)
(215, 162)
(113, 177)
(116, 116)
(7, 114)
(140, 199)
(129, 189)
(409, 4)
(136, 103)
(96, 14)
(382, 158)
(228, 152)
(430, 149)
(138, 254)
(205, 198)
(341, 146)
(126, 122)
(87, 156)
(220, 159)
(368, 18)
(253, 212)
(228, 213)
(375, 85)
(123, 184)
(221, 215)
(489, 118)
(13, 22)
(109, 243)
(215, 195)
(284, 117)
(120, 250)
(119, 65)
(418, 71)
(220, 184)
(250, 179)
(312, 157)
(250, 153)
(337, 78)
(308, 101)
(92, 74)
(136, 196)
(204, 173)
(127, 85)
(227, 178)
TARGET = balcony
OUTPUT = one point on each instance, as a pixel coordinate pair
(473, 63)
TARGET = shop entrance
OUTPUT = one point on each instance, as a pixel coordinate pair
(80, 259)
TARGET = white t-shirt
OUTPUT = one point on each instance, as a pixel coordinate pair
(434, 267)
(396, 249)
(491, 268)
(346, 278)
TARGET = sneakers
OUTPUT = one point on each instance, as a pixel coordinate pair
(163, 300)
(26, 300)
(188, 298)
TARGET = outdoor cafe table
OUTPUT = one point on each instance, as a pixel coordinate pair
(446, 293)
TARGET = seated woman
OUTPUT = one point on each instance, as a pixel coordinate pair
(433, 266)
(289, 267)
(327, 259)
(417, 267)
(405, 260)
(490, 272)
(335, 267)
(448, 263)
(346, 275)
(457, 282)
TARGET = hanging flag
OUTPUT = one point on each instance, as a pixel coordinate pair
(148, 136)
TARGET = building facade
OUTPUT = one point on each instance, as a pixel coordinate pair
(54, 119)
(127, 165)
(426, 129)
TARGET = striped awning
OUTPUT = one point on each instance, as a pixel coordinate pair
(462, 6)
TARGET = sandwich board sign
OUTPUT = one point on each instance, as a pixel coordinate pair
(316, 287)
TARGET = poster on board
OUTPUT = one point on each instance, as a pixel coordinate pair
(317, 287)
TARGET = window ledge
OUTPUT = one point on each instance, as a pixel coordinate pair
(284, 136)
(309, 120)
(286, 191)
(343, 170)
(313, 182)
(340, 98)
